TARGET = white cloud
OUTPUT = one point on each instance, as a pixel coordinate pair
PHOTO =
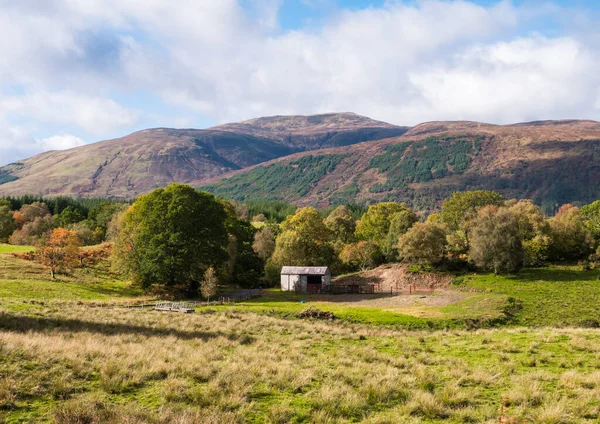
(61, 142)
(405, 62)
(95, 115)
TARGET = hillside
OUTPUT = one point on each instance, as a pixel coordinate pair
(135, 164)
(552, 162)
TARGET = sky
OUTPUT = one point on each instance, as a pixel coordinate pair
(79, 71)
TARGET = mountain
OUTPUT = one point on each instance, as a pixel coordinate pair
(551, 162)
(135, 164)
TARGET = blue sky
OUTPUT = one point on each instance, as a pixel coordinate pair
(79, 72)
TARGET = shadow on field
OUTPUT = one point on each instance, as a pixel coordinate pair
(24, 324)
(557, 275)
(333, 298)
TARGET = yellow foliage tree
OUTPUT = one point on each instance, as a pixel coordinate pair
(59, 250)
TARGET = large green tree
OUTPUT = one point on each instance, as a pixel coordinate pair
(400, 223)
(341, 223)
(461, 207)
(375, 223)
(571, 238)
(244, 267)
(304, 241)
(591, 218)
(7, 223)
(423, 244)
(171, 236)
(496, 241)
(534, 231)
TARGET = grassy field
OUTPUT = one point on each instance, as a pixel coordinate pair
(22, 280)
(553, 296)
(9, 248)
(93, 365)
(69, 354)
(483, 309)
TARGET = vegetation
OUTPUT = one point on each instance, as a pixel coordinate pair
(59, 251)
(424, 244)
(496, 243)
(423, 161)
(171, 236)
(236, 367)
(496, 350)
(295, 178)
(272, 210)
(304, 240)
(6, 177)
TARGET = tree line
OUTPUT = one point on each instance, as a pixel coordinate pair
(473, 230)
(182, 241)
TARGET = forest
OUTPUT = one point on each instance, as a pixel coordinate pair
(168, 240)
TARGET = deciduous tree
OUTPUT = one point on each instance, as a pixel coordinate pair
(59, 250)
(264, 242)
(209, 284)
(171, 236)
(423, 244)
(571, 238)
(400, 223)
(361, 255)
(495, 241)
(341, 223)
(461, 207)
(304, 241)
(7, 223)
(375, 224)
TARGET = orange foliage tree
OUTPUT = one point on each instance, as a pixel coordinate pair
(59, 250)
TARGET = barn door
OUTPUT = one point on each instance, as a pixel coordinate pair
(313, 284)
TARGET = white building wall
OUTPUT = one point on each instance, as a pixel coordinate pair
(290, 282)
(326, 280)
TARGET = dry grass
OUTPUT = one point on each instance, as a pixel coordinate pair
(90, 365)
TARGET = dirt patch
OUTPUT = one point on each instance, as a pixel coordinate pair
(396, 278)
(383, 301)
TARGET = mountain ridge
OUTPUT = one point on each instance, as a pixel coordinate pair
(324, 159)
(128, 166)
(552, 162)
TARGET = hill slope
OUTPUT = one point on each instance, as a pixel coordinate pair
(552, 162)
(137, 163)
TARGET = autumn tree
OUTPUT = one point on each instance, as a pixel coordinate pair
(264, 243)
(7, 223)
(571, 239)
(28, 213)
(342, 225)
(462, 207)
(495, 241)
(375, 223)
(171, 236)
(423, 244)
(59, 250)
(31, 231)
(209, 284)
(304, 241)
(534, 231)
(400, 223)
(362, 255)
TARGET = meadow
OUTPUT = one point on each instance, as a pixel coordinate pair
(71, 352)
(99, 365)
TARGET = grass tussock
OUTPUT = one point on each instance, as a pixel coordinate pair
(94, 365)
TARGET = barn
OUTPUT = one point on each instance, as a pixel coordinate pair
(305, 279)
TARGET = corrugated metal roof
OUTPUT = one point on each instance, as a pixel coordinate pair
(304, 270)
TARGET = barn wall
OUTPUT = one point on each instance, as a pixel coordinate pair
(302, 284)
(326, 280)
(291, 283)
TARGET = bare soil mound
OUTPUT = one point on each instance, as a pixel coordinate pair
(395, 277)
